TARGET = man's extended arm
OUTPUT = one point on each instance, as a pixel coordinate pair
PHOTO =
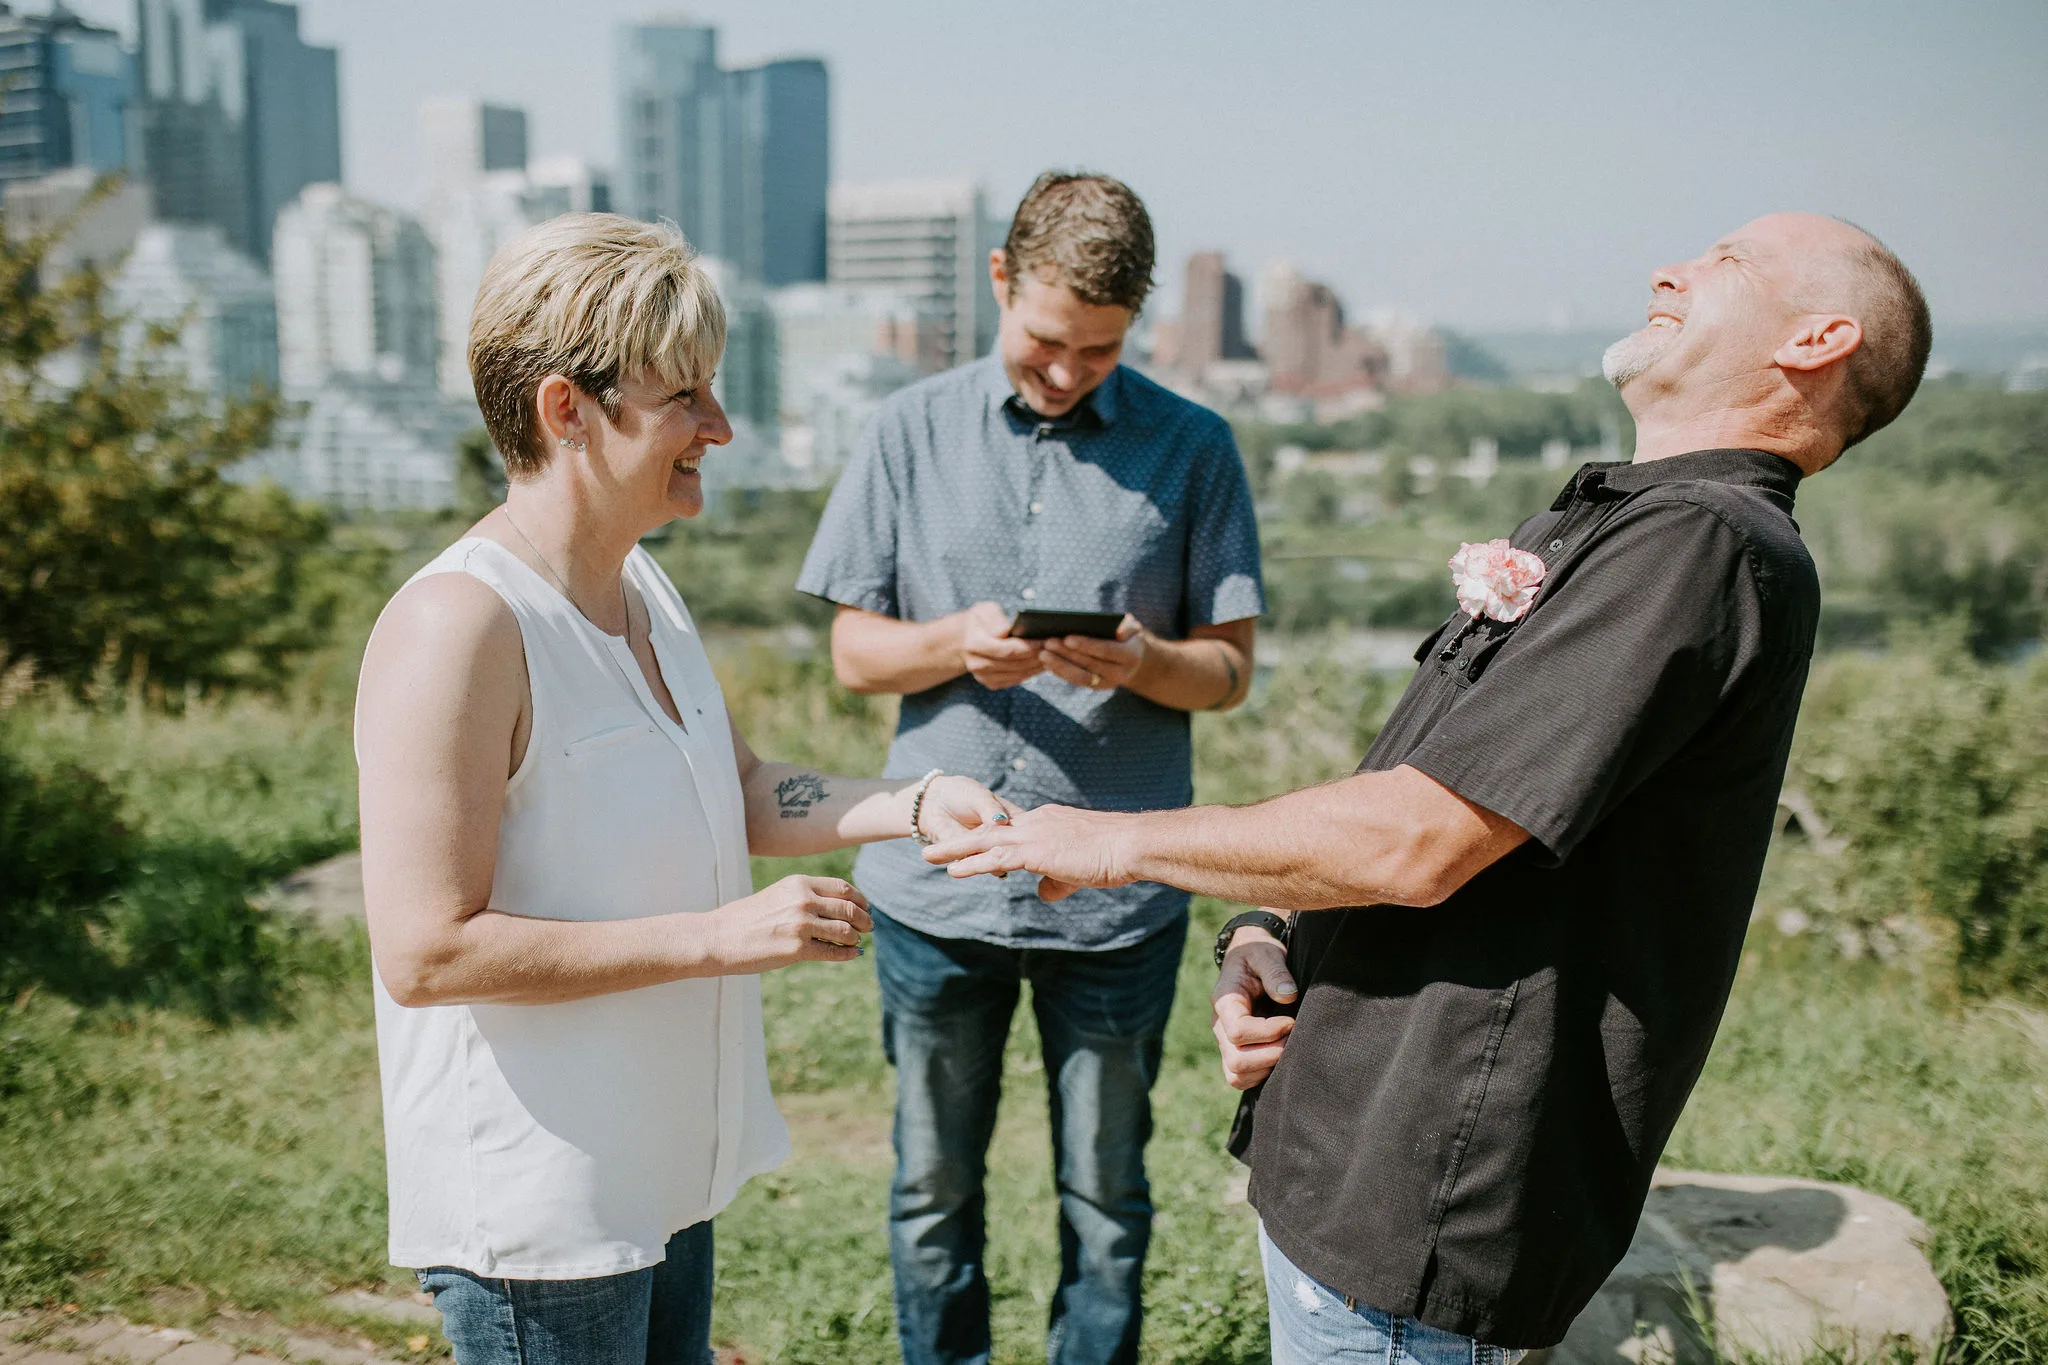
(1381, 838)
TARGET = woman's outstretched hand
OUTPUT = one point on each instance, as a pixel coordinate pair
(1067, 848)
(798, 919)
(953, 805)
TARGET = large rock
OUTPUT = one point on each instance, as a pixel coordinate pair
(330, 890)
(1762, 1267)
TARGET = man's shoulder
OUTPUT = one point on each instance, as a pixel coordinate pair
(1778, 556)
(1154, 403)
(954, 389)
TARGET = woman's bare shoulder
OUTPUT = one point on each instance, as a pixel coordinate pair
(450, 624)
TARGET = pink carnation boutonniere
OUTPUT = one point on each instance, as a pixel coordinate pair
(1495, 580)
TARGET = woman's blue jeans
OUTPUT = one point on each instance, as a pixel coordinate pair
(657, 1316)
(946, 1010)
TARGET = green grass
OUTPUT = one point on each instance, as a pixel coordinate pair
(168, 1165)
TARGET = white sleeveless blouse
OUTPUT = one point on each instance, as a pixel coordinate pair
(566, 1141)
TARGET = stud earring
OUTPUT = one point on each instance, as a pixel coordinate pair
(568, 444)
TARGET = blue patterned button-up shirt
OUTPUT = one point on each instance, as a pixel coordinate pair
(1136, 502)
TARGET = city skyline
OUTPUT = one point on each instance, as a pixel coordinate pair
(1486, 164)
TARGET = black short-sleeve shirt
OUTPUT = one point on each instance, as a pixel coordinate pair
(1466, 1118)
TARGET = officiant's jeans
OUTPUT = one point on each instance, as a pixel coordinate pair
(1312, 1323)
(946, 1010)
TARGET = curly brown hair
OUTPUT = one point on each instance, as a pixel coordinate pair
(1091, 231)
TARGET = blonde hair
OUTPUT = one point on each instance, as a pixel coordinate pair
(591, 297)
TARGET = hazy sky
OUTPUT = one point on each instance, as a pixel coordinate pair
(1491, 164)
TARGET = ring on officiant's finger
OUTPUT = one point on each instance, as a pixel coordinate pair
(1095, 680)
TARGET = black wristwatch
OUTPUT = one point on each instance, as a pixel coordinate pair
(1260, 919)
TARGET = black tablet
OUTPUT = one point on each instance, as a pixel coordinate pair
(1046, 625)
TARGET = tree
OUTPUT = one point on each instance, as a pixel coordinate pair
(129, 562)
(479, 475)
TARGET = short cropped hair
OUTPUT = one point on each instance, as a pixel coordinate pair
(1091, 231)
(591, 297)
(1885, 371)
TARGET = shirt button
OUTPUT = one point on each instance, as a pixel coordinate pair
(1030, 594)
(1036, 508)
(1017, 764)
(1557, 545)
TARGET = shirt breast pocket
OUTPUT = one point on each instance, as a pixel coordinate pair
(599, 732)
(1472, 649)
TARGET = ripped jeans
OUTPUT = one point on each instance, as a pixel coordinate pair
(1311, 1322)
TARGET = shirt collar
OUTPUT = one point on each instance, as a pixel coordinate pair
(1096, 411)
(1744, 468)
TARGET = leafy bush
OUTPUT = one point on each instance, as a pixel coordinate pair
(130, 846)
(63, 851)
(1943, 516)
(1926, 772)
(131, 562)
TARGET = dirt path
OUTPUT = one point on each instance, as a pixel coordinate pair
(59, 1338)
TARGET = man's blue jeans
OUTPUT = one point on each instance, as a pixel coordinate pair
(946, 1010)
(1311, 1322)
(657, 1316)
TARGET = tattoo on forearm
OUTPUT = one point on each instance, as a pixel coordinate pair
(1230, 664)
(795, 795)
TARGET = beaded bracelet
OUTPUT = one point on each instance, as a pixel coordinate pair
(917, 807)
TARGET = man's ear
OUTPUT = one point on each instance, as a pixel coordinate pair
(1820, 341)
(999, 276)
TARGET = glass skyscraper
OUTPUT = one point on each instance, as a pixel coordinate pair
(739, 159)
(65, 92)
(239, 113)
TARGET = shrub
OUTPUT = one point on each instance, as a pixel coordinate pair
(63, 850)
(127, 860)
(1927, 771)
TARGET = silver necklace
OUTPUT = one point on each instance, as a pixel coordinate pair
(625, 612)
(570, 597)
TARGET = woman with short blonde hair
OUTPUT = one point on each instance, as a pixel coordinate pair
(556, 818)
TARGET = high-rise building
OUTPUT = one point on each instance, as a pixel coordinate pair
(748, 374)
(463, 138)
(100, 237)
(740, 159)
(1211, 324)
(67, 90)
(926, 240)
(779, 170)
(367, 444)
(187, 276)
(467, 224)
(355, 292)
(1414, 352)
(480, 192)
(672, 128)
(819, 327)
(583, 188)
(239, 113)
(1304, 341)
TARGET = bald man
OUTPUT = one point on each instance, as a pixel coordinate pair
(1516, 926)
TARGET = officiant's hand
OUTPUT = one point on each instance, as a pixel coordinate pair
(1254, 969)
(1098, 665)
(989, 654)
